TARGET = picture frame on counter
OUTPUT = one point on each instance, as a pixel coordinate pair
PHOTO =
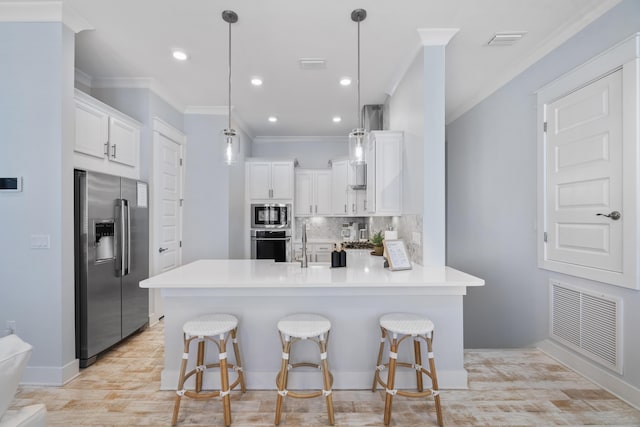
(396, 254)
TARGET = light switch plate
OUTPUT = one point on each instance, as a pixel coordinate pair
(40, 241)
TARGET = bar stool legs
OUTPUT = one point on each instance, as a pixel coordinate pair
(216, 329)
(395, 329)
(296, 328)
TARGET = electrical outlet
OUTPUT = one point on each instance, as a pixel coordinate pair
(11, 326)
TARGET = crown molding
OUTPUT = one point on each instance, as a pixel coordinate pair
(281, 139)
(138, 83)
(43, 11)
(83, 78)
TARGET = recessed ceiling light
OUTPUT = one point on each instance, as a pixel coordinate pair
(256, 81)
(337, 119)
(273, 119)
(180, 55)
(345, 81)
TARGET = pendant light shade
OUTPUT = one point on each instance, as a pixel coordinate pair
(230, 136)
(359, 137)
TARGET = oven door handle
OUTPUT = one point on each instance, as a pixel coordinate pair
(271, 239)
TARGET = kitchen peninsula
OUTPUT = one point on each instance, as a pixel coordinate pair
(260, 292)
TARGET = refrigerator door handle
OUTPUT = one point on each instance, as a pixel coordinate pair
(128, 265)
(122, 243)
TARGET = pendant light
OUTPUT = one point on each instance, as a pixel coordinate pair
(230, 135)
(358, 138)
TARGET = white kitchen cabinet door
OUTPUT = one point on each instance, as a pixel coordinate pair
(124, 142)
(282, 180)
(92, 130)
(388, 173)
(304, 199)
(339, 194)
(370, 156)
(322, 192)
(259, 180)
(106, 140)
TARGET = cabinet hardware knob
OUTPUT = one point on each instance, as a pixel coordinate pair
(615, 215)
(163, 250)
(114, 151)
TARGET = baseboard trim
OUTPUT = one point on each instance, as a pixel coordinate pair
(596, 374)
(50, 375)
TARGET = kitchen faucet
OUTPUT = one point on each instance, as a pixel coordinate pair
(303, 261)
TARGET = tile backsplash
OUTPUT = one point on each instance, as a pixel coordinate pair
(329, 228)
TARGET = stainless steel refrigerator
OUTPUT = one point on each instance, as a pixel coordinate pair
(111, 258)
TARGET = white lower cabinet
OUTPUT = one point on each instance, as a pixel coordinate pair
(316, 252)
(105, 139)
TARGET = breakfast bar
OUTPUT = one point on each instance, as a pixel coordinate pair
(259, 292)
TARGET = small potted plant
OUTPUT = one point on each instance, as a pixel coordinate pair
(376, 240)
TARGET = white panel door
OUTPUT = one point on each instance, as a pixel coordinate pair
(584, 176)
(169, 252)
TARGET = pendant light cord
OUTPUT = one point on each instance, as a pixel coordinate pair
(229, 75)
(359, 114)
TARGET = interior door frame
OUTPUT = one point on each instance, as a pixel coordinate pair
(622, 56)
(160, 129)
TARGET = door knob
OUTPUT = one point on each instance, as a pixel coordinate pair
(163, 249)
(615, 215)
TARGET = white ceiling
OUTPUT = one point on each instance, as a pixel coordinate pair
(134, 40)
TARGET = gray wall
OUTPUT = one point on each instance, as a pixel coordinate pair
(36, 142)
(213, 191)
(310, 154)
(491, 227)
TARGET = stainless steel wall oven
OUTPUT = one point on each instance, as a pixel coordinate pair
(271, 244)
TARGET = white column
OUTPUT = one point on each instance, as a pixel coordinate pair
(434, 42)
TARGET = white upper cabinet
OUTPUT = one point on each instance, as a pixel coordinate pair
(105, 139)
(123, 141)
(388, 173)
(269, 180)
(313, 192)
(346, 201)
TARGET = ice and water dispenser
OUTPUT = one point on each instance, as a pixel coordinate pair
(105, 244)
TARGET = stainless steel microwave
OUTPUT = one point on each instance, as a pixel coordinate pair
(270, 215)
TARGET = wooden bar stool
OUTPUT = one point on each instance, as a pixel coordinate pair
(396, 327)
(295, 328)
(215, 328)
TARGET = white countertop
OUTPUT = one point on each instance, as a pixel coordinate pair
(363, 271)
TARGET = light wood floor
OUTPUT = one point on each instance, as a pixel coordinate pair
(506, 388)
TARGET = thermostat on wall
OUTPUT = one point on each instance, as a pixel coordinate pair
(13, 183)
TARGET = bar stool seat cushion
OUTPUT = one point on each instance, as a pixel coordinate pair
(210, 325)
(406, 323)
(304, 325)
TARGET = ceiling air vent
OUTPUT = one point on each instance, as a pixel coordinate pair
(506, 38)
(312, 63)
